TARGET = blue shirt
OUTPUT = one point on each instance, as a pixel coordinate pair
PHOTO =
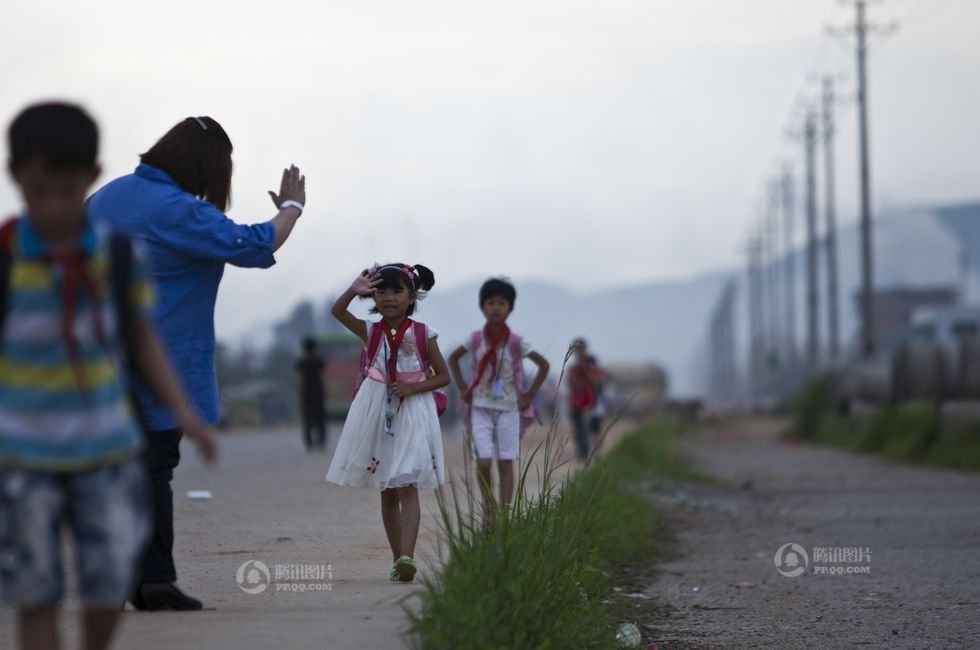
(188, 242)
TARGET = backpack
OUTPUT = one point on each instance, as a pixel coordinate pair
(529, 415)
(120, 267)
(370, 353)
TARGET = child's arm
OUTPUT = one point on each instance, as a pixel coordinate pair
(440, 378)
(454, 358)
(155, 368)
(543, 367)
(363, 285)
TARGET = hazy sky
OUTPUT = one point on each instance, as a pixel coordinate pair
(588, 143)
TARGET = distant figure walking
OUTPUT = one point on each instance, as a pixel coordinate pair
(392, 440)
(312, 397)
(174, 204)
(583, 395)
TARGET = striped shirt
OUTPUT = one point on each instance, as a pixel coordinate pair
(55, 416)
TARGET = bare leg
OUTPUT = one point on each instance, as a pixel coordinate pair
(391, 516)
(506, 470)
(38, 629)
(411, 515)
(484, 468)
(98, 625)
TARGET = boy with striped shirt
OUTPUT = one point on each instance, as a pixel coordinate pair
(69, 438)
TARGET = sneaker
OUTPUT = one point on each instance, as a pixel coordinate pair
(405, 568)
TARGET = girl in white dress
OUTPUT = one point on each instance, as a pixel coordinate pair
(391, 440)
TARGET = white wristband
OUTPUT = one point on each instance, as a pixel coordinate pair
(291, 204)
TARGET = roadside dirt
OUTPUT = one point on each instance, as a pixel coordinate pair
(915, 582)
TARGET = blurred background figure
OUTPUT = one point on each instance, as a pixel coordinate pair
(312, 396)
(583, 395)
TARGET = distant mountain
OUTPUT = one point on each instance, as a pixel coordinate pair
(666, 322)
(659, 322)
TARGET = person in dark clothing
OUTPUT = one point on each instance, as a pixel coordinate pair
(309, 372)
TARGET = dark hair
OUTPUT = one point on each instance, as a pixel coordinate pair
(498, 288)
(417, 279)
(309, 344)
(62, 135)
(197, 158)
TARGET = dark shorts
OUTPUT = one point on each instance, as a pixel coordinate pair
(106, 511)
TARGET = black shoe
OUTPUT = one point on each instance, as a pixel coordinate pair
(137, 600)
(155, 596)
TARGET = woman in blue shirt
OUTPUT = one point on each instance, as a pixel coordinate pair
(174, 203)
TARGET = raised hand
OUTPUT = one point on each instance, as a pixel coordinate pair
(366, 282)
(291, 188)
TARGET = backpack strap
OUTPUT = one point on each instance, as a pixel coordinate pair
(421, 331)
(476, 339)
(375, 334)
(514, 349)
(121, 285)
(7, 231)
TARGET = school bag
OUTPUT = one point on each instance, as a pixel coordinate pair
(120, 266)
(529, 415)
(370, 353)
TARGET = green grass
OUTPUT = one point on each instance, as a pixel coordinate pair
(537, 578)
(909, 432)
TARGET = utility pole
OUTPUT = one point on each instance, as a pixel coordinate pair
(722, 347)
(773, 356)
(789, 258)
(812, 296)
(867, 278)
(833, 316)
(754, 312)
(861, 29)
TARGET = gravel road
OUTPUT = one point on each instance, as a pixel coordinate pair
(912, 579)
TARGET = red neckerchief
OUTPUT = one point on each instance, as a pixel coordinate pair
(491, 354)
(394, 342)
(75, 278)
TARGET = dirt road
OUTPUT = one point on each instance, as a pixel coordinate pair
(912, 580)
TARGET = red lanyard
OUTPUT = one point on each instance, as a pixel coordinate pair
(490, 354)
(395, 342)
(74, 269)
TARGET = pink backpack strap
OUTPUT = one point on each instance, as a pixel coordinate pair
(514, 349)
(375, 334)
(421, 331)
(369, 353)
(476, 339)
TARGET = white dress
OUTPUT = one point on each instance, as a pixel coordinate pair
(367, 456)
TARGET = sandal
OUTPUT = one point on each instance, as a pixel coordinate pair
(393, 576)
(405, 568)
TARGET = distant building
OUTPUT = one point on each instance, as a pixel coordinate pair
(894, 311)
